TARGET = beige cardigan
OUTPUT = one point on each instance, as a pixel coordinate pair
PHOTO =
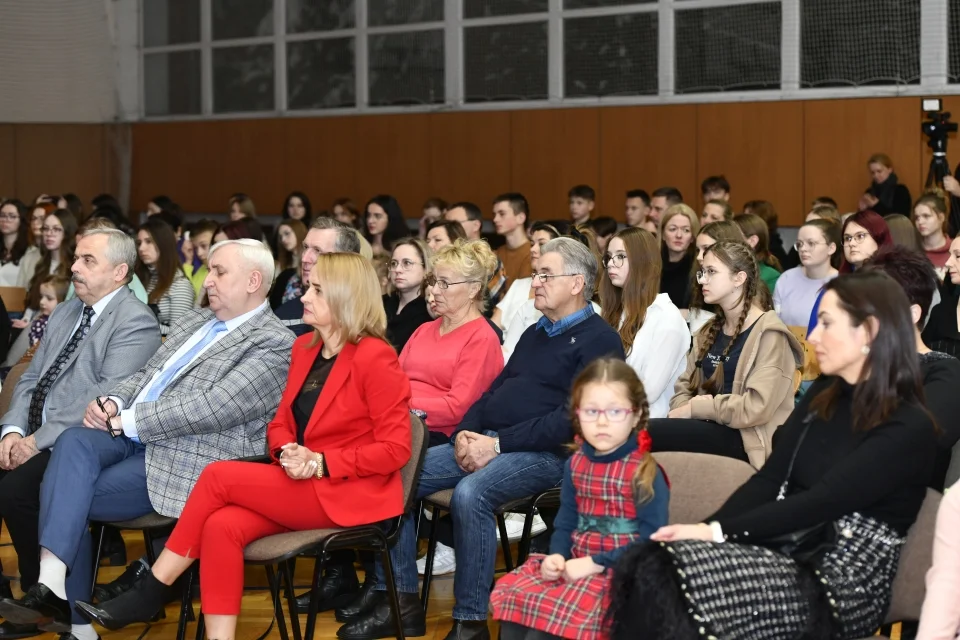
(763, 387)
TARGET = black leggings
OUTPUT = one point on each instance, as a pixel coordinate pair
(696, 436)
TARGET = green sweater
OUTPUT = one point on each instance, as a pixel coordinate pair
(769, 275)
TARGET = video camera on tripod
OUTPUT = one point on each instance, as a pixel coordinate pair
(937, 128)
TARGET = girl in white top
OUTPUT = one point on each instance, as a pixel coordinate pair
(18, 255)
(521, 290)
(654, 334)
(797, 290)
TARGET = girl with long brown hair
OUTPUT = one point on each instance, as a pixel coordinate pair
(738, 385)
(757, 235)
(288, 285)
(613, 494)
(59, 241)
(654, 334)
(169, 292)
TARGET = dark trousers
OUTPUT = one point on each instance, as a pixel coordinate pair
(513, 631)
(696, 436)
(20, 509)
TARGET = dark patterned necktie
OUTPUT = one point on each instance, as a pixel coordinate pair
(50, 375)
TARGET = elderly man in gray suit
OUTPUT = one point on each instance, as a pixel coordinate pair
(206, 395)
(92, 343)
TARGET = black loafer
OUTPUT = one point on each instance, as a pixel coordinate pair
(338, 588)
(109, 591)
(378, 622)
(38, 606)
(70, 636)
(361, 604)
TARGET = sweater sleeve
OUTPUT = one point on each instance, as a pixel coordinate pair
(901, 202)
(479, 363)
(177, 301)
(472, 419)
(942, 399)
(650, 517)
(901, 449)
(566, 521)
(940, 617)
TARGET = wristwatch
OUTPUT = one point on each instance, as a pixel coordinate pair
(496, 445)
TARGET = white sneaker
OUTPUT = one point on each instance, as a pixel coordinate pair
(514, 522)
(444, 561)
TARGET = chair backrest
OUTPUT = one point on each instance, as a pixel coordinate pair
(953, 471)
(14, 299)
(410, 472)
(810, 370)
(909, 587)
(9, 385)
(700, 483)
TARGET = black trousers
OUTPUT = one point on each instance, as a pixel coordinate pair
(513, 631)
(20, 509)
(696, 436)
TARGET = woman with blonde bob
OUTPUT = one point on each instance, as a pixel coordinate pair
(452, 360)
(654, 334)
(678, 229)
(339, 439)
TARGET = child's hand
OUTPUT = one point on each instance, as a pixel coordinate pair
(19, 323)
(552, 567)
(581, 568)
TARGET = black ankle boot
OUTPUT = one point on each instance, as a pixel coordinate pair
(469, 630)
(140, 604)
(338, 588)
(378, 622)
(362, 601)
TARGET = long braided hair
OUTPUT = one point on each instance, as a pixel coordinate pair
(737, 257)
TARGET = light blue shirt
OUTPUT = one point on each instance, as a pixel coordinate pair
(554, 329)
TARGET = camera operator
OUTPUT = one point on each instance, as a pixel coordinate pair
(885, 195)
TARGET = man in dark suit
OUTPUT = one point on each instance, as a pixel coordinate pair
(206, 395)
(91, 344)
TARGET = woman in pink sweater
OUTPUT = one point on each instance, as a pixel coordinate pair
(454, 359)
(940, 618)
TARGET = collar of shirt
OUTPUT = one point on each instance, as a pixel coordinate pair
(233, 323)
(99, 306)
(559, 327)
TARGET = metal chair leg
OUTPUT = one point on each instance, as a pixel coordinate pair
(287, 574)
(428, 568)
(186, 603)
(392, 590)
(505, 542)
(101, 530)
(523, 547)
(273, 582)
(315, 595)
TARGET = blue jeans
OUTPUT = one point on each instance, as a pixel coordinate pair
(91, 476)
(507, 477)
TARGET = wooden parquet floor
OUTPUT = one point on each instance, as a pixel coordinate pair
(257, 610)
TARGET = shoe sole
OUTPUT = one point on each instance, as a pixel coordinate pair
(53, 626)
(93, 615)
(413, 632)
(22, 615)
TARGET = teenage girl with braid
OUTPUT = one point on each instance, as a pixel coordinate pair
(738, 384)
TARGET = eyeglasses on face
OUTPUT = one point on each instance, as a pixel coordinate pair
(856, 238)
(403, 265)
(431, 281)
(800, 244)
(705, 275)
(614, 416)
(616, 260)
(544, 277)
(9, 216)
(46, 229)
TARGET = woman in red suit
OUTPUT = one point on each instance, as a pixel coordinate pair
(339, 439)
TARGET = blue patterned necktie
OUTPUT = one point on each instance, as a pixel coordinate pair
(35, 415)
(171, 372)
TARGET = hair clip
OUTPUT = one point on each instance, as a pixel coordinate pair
(644, 441)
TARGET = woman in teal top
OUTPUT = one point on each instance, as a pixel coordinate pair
(758, 236)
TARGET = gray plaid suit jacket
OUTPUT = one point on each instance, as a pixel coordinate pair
(122, 339)
(216, 409)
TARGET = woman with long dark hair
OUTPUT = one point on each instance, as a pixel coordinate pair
(288, 285)
(297, 207)
(383, 223)
(820, 486)
(169, 292)
(17, 250)
(59, 241)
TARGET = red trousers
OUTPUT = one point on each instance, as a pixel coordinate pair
(233, 504)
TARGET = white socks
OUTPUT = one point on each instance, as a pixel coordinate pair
(84, 632)
(53, 574)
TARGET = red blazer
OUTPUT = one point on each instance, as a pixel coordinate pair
(361, 425)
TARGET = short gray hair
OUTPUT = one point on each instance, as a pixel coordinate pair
(347, 241)
(254, 253)
(577, 259)
(121, 248)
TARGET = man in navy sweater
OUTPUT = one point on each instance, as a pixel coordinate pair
(509, 445)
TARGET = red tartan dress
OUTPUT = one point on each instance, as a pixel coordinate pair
(574, 609)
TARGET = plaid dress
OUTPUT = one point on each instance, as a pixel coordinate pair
(575, 609)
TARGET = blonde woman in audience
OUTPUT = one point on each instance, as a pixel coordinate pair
(930, 218)
(940, 617)
(521, 289)
(738, 384)
(903, 232)
(406, 307)
(818, 243)
(288, 285)
(654, 334)
(678, 228)
(758, 237)
(169, 292)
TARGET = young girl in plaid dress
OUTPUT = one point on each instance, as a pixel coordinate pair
(613, 494)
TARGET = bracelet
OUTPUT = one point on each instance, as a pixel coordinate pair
(319, 458)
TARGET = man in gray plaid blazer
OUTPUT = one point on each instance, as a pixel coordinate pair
(206, 395)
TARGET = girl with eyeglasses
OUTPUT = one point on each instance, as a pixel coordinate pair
(406, 307)
(863, 234)
(738, 384)
(19, 254)
(818, 245)
(654, 334)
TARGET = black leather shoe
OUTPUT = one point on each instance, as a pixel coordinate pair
(70, 636)
(11, 631)
(378, 622)
(109, 591)
(140, 604)
(338, 588)
(362, 603)
(38, 606)
(469, 630)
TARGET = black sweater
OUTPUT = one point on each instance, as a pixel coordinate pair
(882, 473)
(941, 382)
(675, 279)
(400, 326)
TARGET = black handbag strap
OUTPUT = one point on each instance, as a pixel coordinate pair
(793, 458)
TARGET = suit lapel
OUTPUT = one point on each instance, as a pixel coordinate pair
(228, 341)
(335, 381)
(100, 322)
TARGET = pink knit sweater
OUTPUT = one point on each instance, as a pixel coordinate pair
(940, 619)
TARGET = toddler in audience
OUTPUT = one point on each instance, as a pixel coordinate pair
(53, 291)
(613, 494)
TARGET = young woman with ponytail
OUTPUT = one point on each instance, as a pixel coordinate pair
(613, 495)
(738, 384)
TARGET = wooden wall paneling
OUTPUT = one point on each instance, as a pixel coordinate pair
(470, 156)
(320, 159)
(840, 135)
(646, 148)
(393, 157)
(183, 160)
(254, 162)
(8, 162)
(759, 148)
(57, 158)
(551, 151)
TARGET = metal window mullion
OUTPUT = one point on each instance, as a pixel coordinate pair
(243, 42)
(934, 42)
(453, 53)
(406, 28)
(309, 36)
(790, 45)
(362, 56)
(617, 10)
(498, 21)
(555, 51)
(206, 57)
(279, 56)
(666, 39)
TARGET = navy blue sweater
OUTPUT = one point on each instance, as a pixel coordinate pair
(527, 404)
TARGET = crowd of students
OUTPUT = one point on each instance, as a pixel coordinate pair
(677, 332)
